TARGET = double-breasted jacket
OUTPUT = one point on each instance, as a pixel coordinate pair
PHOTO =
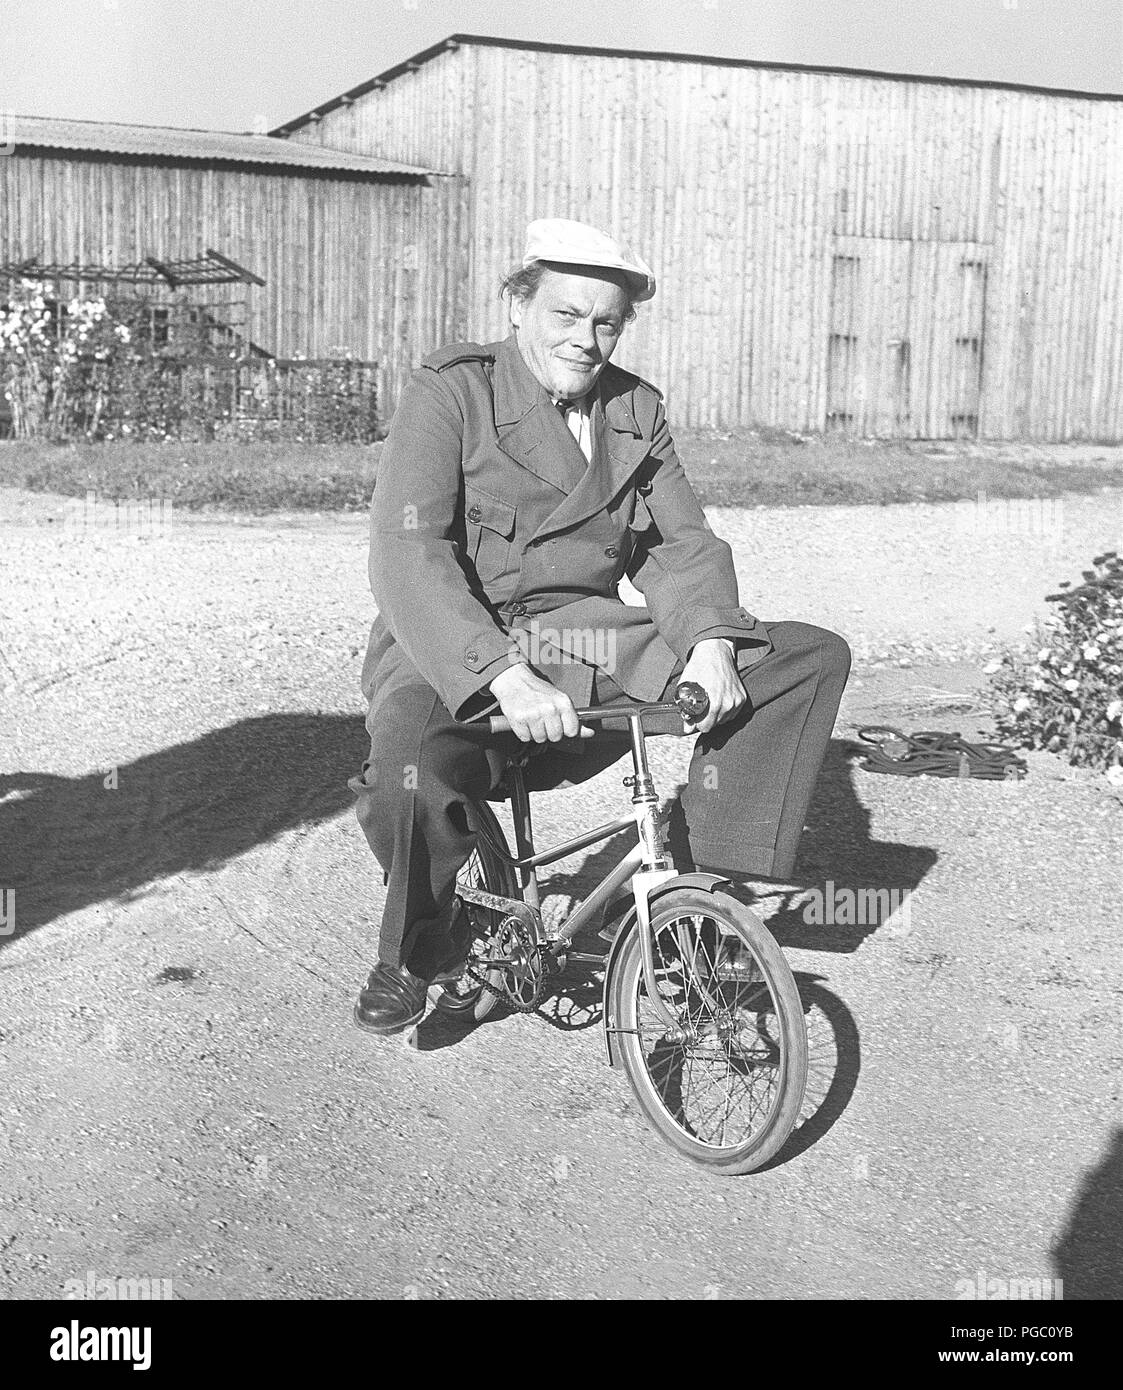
(492, 540)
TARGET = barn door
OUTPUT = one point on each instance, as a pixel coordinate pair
(905, 340)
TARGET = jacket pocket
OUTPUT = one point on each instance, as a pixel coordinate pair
(489, 525)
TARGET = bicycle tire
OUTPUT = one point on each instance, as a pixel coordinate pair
(751, 1024)
(488, 870)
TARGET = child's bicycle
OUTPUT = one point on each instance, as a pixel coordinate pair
(700, 1007)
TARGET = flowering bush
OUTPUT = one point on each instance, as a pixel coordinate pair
(57, 360)
(1067, 696)
(87, 369)
(26, 339)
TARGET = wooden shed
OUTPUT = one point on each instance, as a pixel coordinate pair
(351, 248)
(872, 252)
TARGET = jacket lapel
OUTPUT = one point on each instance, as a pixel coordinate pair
(618, 450)
(529, 428)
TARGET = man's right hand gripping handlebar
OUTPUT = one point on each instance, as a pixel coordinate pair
(535, 710)
(538, 712)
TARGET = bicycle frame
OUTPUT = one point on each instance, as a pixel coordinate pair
(645, 863)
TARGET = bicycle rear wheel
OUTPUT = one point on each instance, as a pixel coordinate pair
(485, 869)
(725, 1086)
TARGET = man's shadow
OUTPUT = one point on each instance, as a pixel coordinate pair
(67, 842)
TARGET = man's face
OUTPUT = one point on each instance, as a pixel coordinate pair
(570, 328)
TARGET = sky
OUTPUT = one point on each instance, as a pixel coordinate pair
(246, 64)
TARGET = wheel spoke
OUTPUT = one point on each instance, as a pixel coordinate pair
(720, 1079)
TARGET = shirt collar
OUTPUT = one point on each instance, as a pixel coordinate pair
(581, 403)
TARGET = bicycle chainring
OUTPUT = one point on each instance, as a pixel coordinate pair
(520, 981)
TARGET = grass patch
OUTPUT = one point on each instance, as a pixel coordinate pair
(254, 478)
(727, 468)
(773, 468)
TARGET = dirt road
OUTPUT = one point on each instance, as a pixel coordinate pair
(185, 1097)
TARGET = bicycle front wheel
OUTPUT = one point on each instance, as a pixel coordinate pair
(725, 1085)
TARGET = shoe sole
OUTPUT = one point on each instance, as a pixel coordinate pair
(388, 1032)
(449, 976)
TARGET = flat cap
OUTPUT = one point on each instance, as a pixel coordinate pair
(575, 243)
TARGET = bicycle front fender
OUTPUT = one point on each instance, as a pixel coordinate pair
(709, 883)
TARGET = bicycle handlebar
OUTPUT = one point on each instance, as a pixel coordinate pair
(691, 702)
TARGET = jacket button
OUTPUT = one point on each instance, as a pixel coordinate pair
(517, 609)
(612, 552)
(474, 513)
(471, 656)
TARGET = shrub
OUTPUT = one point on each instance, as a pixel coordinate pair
(1067, 697)
(88, 369)
(55, 361)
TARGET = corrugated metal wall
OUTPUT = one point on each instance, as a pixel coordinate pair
(880, 255)
(373, 266)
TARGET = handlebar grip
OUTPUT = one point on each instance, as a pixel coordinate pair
(693, 702)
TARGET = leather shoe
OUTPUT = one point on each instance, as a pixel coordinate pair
(392, 1000)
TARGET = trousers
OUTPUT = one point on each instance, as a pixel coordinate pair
(741, 813)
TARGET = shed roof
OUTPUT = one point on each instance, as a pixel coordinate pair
(168, 144)
(454, 41)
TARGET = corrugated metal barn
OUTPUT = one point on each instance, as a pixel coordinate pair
(326, 231)
(883, 254)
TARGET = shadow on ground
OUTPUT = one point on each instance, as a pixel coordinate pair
(573, 1003)
(837, 846)
(871, 880)
(68, 842)
(1089, 1255)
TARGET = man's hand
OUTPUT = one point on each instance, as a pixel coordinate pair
(538, 711)
(711, 664)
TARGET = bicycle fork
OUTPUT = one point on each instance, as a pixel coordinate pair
(656, 868)
(653, 871)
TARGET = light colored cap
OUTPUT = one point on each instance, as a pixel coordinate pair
(575, 243)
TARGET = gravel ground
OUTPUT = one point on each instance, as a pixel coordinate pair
(185, 1096)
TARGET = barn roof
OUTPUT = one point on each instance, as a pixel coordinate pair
(164, 144)
(454, 41)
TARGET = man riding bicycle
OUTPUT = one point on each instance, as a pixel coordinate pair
(521, 481)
